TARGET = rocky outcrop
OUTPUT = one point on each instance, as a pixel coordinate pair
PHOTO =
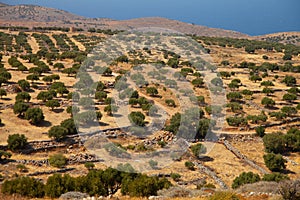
(83, 158)
(73, 196)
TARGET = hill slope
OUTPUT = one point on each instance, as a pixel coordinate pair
(34, 14)
(175, 25)
(284, 37)
(29, 15)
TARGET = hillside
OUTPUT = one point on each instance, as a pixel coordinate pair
(49, 61)
(284, 37)
(3, 4)
(175, 25)
(213, 116)
(30, 15)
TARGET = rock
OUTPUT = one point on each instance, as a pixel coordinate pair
(156, 198)
(73, 196)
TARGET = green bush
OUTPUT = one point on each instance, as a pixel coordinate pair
(189, 165)
(277, 177)
(57, 132)
(260, 131)
(137, 118)
(198, 149)
(4, 154)
(175, 176)
(153, 164)
(290, 190)
(89, 165)
(144, 186)
(34, 115)
(274, 142)
(236, 121)
(58, 160)
(224, 195)
(274, 162)
(16, 142)
(245, 178)
(24, 186)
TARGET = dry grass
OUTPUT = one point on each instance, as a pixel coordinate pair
(226, 165)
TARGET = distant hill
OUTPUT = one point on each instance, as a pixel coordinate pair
(31, 15)
(175, 25)
(3, 4)
(284, 37)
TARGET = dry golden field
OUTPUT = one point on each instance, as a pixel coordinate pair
(223, 162)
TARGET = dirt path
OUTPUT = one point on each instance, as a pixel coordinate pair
(80, 45)
(33, 43)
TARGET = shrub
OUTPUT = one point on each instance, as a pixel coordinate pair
(4, 154)
(247, 92)
(292, 139)
(257, 118)
(245, 178)
(260, 131)
(290, 111)
(126, 168)
(236, 121)
(274, 162)
(22, 168)
(2, 93)
(57, 185)
(170, 102)
(137, 118)
(152, 91)
(289, 80)
(16, 142)
(57, 132)
(58, 160)
(20, 108)
(287, 57)
(198, 82)
(24, 186)
(277, 177)
(44, 96)
(89, 165)
(175, 176)
(174, 123)
(198, 149)
(234, 96)
(24, 85)
(52, 104)
(274, 142)
(35, 115)
(70, 126)
(206, 185)
(144, 186)
(23, 96)
(290, 190)
(289, 97)
(278, 115)
(224, 195)
(153, 164)
(267, 102)
(189, 165)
